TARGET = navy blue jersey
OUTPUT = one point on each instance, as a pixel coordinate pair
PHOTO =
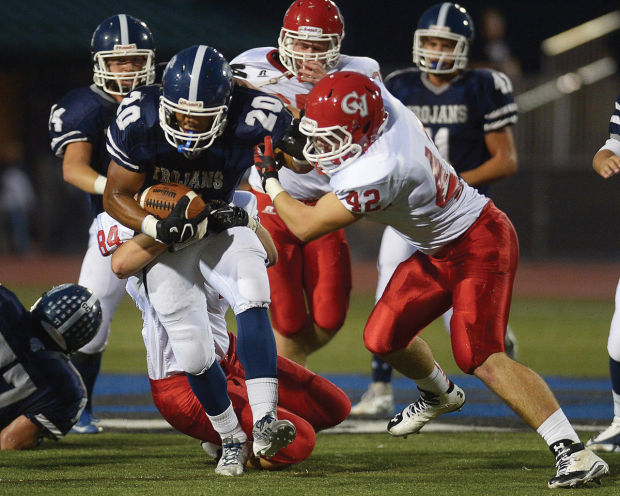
(458, 115)
(614, 122)
(83, 115)
(137, 142)
(36, 380)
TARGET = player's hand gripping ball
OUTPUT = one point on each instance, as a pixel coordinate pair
(160, 199)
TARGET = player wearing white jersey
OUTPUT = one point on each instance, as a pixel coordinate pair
(606, 163)
(311, 283)
(469, 114)
(384, 167)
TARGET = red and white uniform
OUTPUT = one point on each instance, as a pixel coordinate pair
(322, 268)
(467, 249)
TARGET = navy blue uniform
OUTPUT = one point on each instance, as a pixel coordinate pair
(137, 142)
(35, 380)
(458, 115)
(83, 114)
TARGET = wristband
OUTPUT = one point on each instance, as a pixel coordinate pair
(99, 185)
(273, 188)
(149, 226)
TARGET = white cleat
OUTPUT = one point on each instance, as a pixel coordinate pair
(212, 449)
(271, 435)
(510, 343)
(608, 440)
(577, 466)
(234, 456)
(376, 403)
(428, 407)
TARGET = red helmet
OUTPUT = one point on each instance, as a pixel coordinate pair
(344, 116)
(311, 20)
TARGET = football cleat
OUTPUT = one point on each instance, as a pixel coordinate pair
(212, 449)
(271, 435)
(234, 455)
(577, 466)
(607, 440)
(426, 408)
(376, 403)
(87, 424)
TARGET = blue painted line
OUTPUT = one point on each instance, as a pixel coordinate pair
(581, 399)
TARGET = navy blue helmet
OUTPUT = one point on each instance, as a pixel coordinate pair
(448, 21)
(71, 315)
(122, 36)
(197, 82)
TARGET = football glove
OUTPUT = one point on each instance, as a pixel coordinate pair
(293, 141)
(229, 216)
(177, 229)
(265, 161)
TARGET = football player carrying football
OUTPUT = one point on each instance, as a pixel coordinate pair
(123, 55)
(42, 393)
(311, 283)
(311, 402)
(198, 128)
(383, 166)
(468, 114)
(606, 162)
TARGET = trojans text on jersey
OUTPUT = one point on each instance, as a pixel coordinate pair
(440, 114)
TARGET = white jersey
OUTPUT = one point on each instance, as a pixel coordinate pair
(261, 68)
(402, 181)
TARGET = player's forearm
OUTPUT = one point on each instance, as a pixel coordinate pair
(84, 177)
(135, 254)
(297, 216)
(494, 169)
(124, 209)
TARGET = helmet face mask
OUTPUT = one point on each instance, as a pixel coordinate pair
(70, 314)
(317, 21)
(197, 85)
(443, 25)
(129, 39)
(344, 117)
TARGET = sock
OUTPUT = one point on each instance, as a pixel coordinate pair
(436, 382)
(256, 346)
(226, 424)
(211, 389)
(557, 432)
(262, 396)
(614, 373)
(88, 366)
(381, 370)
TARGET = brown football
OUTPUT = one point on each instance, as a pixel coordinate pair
(160, 199)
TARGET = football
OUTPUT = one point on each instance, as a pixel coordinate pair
(160, 199)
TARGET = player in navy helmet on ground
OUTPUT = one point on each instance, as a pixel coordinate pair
(198, 128)
(123, 56)
(42, 393)
(469, 115)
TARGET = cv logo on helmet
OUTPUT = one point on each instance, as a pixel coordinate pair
(353, 103)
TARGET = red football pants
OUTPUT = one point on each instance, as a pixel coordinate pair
(474, 274)
(308, 400)
(318, 272)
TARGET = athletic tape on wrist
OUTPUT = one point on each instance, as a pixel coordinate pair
(99, 185)
(149, 226)
(273, 188)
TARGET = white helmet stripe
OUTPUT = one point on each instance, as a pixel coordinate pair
(77, 315)
(443, 13)
(122, 20)
(193, 86)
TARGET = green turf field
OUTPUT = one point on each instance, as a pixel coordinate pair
(555, 337)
